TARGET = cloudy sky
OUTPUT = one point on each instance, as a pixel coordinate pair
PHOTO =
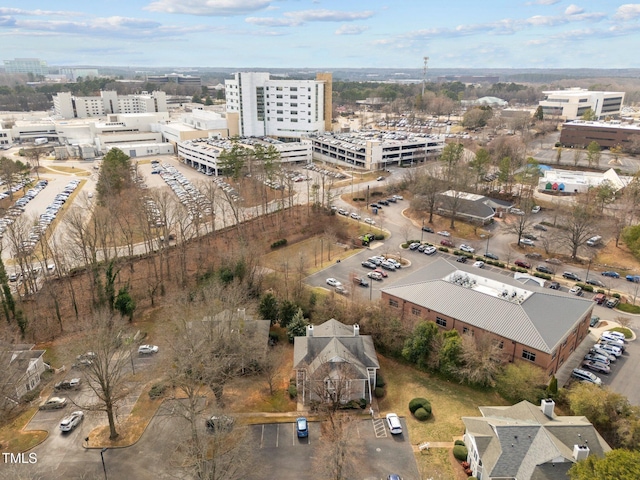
(324, 33)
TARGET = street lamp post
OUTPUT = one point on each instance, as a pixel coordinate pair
(422, 231)
(103, 465)
(370, 288)
(487, 249)
(588, 268)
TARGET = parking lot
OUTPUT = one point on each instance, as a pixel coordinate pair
(282, 455)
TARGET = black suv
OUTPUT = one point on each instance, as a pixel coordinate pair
(554, 286)
(220, 423)
(427, 229)
(544, 269)
(571, 276)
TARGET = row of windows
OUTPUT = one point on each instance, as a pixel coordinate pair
(527, 355)
(292, 89)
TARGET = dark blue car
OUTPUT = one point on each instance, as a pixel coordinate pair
(302, 427)
(633, 278)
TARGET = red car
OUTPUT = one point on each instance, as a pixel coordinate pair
(522, 263)
(381, 272)
(446, 243)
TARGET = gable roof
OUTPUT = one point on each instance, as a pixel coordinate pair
(521, 442)
(467, 203)
(335, 343)
(541, 321)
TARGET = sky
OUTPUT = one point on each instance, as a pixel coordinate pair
(324, 33)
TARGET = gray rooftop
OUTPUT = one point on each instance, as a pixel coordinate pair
(541, 321)
(521, 442)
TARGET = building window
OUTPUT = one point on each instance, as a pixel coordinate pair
(294, 97)
(279, 104)
(441, 321)
(279, 89)
(527, 355)
(294, 89)
(499, 344)
(415, 311)
(393, 303)
(294, 104)
(279, 119)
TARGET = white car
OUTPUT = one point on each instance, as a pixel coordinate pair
(611, 349)
(369, 221)
(71, 421)
(333, 282)
(430, 250)
(444, 233)
(467, 248)
(146, 349)
(526, 241)
(613, 335)
(393, 422)
(576, 290)
(535, 209)
(355, 216)
(479, 264)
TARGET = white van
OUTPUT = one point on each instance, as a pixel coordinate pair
(593, 241)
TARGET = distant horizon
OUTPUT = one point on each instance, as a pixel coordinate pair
(542, 34)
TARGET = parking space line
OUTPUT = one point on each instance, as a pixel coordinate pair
(294, 434)
(262, 437)
(379, 428)
(277, 434)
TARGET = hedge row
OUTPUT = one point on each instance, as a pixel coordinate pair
(279, 243)
(542, 275)
(585, 287)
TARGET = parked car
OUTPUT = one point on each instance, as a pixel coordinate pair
(380, 179)
(462, 259)
(527, 242)
(535, 209)
(374, 276)
(529, 236)
(600, 298)
(522, 264)
(479, 264)
(333, 282)
(342, 290)
(53, 403)
(611, 273)
(67, 384)
(393, 422)
(492, 256)
(540, 227)
(544, 269)
(446, 243)
(360, 281)
(633, 278)
(302, 427)
(586, 376)
(595, 281)
(219, 423)
(369, 221)
(612, 302)
(553, 261)
(467, 248)
(430, 250)
(554, 285)
(597, 357)
(599, 351)
(355, 216)
(615, 343)
(427, 229)
(595, 320)
(444, 233)
(147, 349)
(576, 290)
(596, 366)
(395, 263)
(71, 421)
(571, 276)
(614, 335)
(414, 246)
(534, 255)
(611, 349)
(381, 272)
(368, 264)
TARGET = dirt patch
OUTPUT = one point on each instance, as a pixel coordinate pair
(617, 258)
(14, 439)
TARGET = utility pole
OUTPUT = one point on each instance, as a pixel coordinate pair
(424, 74)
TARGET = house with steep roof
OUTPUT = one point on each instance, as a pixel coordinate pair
(23, 369)
(524, 319)
(527, 442)
(334, 363)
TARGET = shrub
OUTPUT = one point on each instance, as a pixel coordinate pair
(157, 390)
(513, 269)
(30, 396)
(293, 391)
(362, 403)
(500, 264)
(279, 243)
(459, 442)
(585, 287)
(460, 452)
(378, 236)
(416, 403)
(379, 392)
(600, 291)
(542, 275)
(421, 414)
(380, 380)
(443, 249)
(404, 245)
(616, 295)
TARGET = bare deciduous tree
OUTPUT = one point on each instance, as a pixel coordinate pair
(339, 449)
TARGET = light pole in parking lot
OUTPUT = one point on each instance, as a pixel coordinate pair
(422, 231)
(103, 465)
(370, 288)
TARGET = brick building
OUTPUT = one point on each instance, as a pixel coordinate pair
(527, 321)
(580, 134)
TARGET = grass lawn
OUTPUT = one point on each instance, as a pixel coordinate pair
(625, 331)
(450, 401)
(14, 440)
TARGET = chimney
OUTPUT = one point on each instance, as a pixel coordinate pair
(309, 330)
(356, 330)
(547, 405)
(580, 452)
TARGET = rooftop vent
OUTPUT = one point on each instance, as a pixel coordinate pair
(580, 452)
(547, 405)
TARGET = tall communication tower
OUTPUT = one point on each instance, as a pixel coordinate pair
(424, 74)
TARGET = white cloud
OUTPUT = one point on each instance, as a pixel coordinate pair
(350, 30)
(629, 11)
(20, 11)
(573, 10)
(220, 8)
(544, 2)
(294, 19)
